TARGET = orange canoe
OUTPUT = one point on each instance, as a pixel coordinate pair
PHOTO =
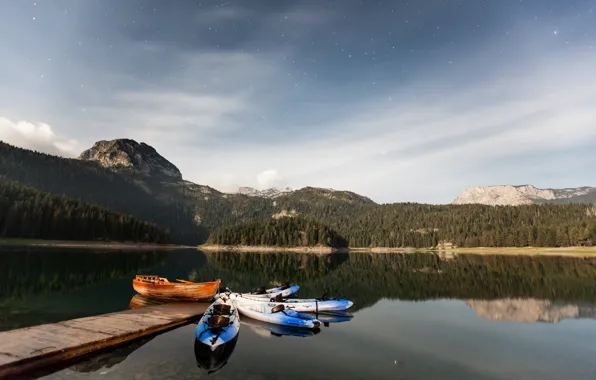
(160, 287)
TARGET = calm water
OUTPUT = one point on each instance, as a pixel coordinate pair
(415, 316)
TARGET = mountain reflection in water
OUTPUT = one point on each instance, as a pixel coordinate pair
(530, 310)
(415, 316)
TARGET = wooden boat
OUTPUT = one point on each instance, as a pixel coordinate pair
(182, 290)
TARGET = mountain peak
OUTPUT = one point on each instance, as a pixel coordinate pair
(127, 154)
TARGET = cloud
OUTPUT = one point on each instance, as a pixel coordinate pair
(209, 94)
(441, 141)
(247, 88)
(270, 178)
(36, 136)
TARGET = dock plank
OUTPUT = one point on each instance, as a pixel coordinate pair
(35, 347)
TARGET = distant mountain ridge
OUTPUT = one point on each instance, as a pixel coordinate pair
(524, 195)
(267, 193)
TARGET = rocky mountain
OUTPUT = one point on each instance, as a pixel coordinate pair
(267, 193)
(524, 195)
(129, 155)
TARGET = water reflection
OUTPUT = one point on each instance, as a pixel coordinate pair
(212, 361)
(530, 310)
(109, 358)
(50, 285)
(416, 316)
(265, 329)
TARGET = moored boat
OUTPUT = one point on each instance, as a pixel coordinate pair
(286, 289)
(311, 305)
(220, 323)
(181, 290)
(277, 315)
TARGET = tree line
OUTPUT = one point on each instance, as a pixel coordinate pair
(281, 232)
(29, 213)
(422, 226)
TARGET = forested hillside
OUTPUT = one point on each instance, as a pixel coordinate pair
(91, 183)
(29, 213)
(281, 232)
(191, 211)
(419, 225)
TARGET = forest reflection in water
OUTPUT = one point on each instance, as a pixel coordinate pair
(47, 285)
(484, 302)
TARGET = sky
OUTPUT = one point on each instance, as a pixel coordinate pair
(396, 100)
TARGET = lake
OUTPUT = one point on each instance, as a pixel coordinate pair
(415, 316)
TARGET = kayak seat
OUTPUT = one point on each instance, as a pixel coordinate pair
(278, 308)
(261, 290)
(220, 309)
(218, 321)
(277, 298)
(285, 285)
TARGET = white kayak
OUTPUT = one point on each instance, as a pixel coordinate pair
(277, 315)
(311, 305)
(284, 290)
(220, 323)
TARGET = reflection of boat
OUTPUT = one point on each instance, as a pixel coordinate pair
(220, 323)
(110, 358)
(269, 329)
(277, 315)
(284, 290)
(334, 317)
(160, 287)
(212, 361)
(313, 305)
(137, 301)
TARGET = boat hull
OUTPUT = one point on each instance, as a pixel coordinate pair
(273, 292)
(285, 317)
(215, 337)
(202, 291)
(311, 305)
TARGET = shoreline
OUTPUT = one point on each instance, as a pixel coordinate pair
(88, 244)
(268, 248)
(531, 251)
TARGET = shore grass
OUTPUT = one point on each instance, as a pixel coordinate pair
(16, 242)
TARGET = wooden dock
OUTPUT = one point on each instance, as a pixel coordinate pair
(32, 348)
